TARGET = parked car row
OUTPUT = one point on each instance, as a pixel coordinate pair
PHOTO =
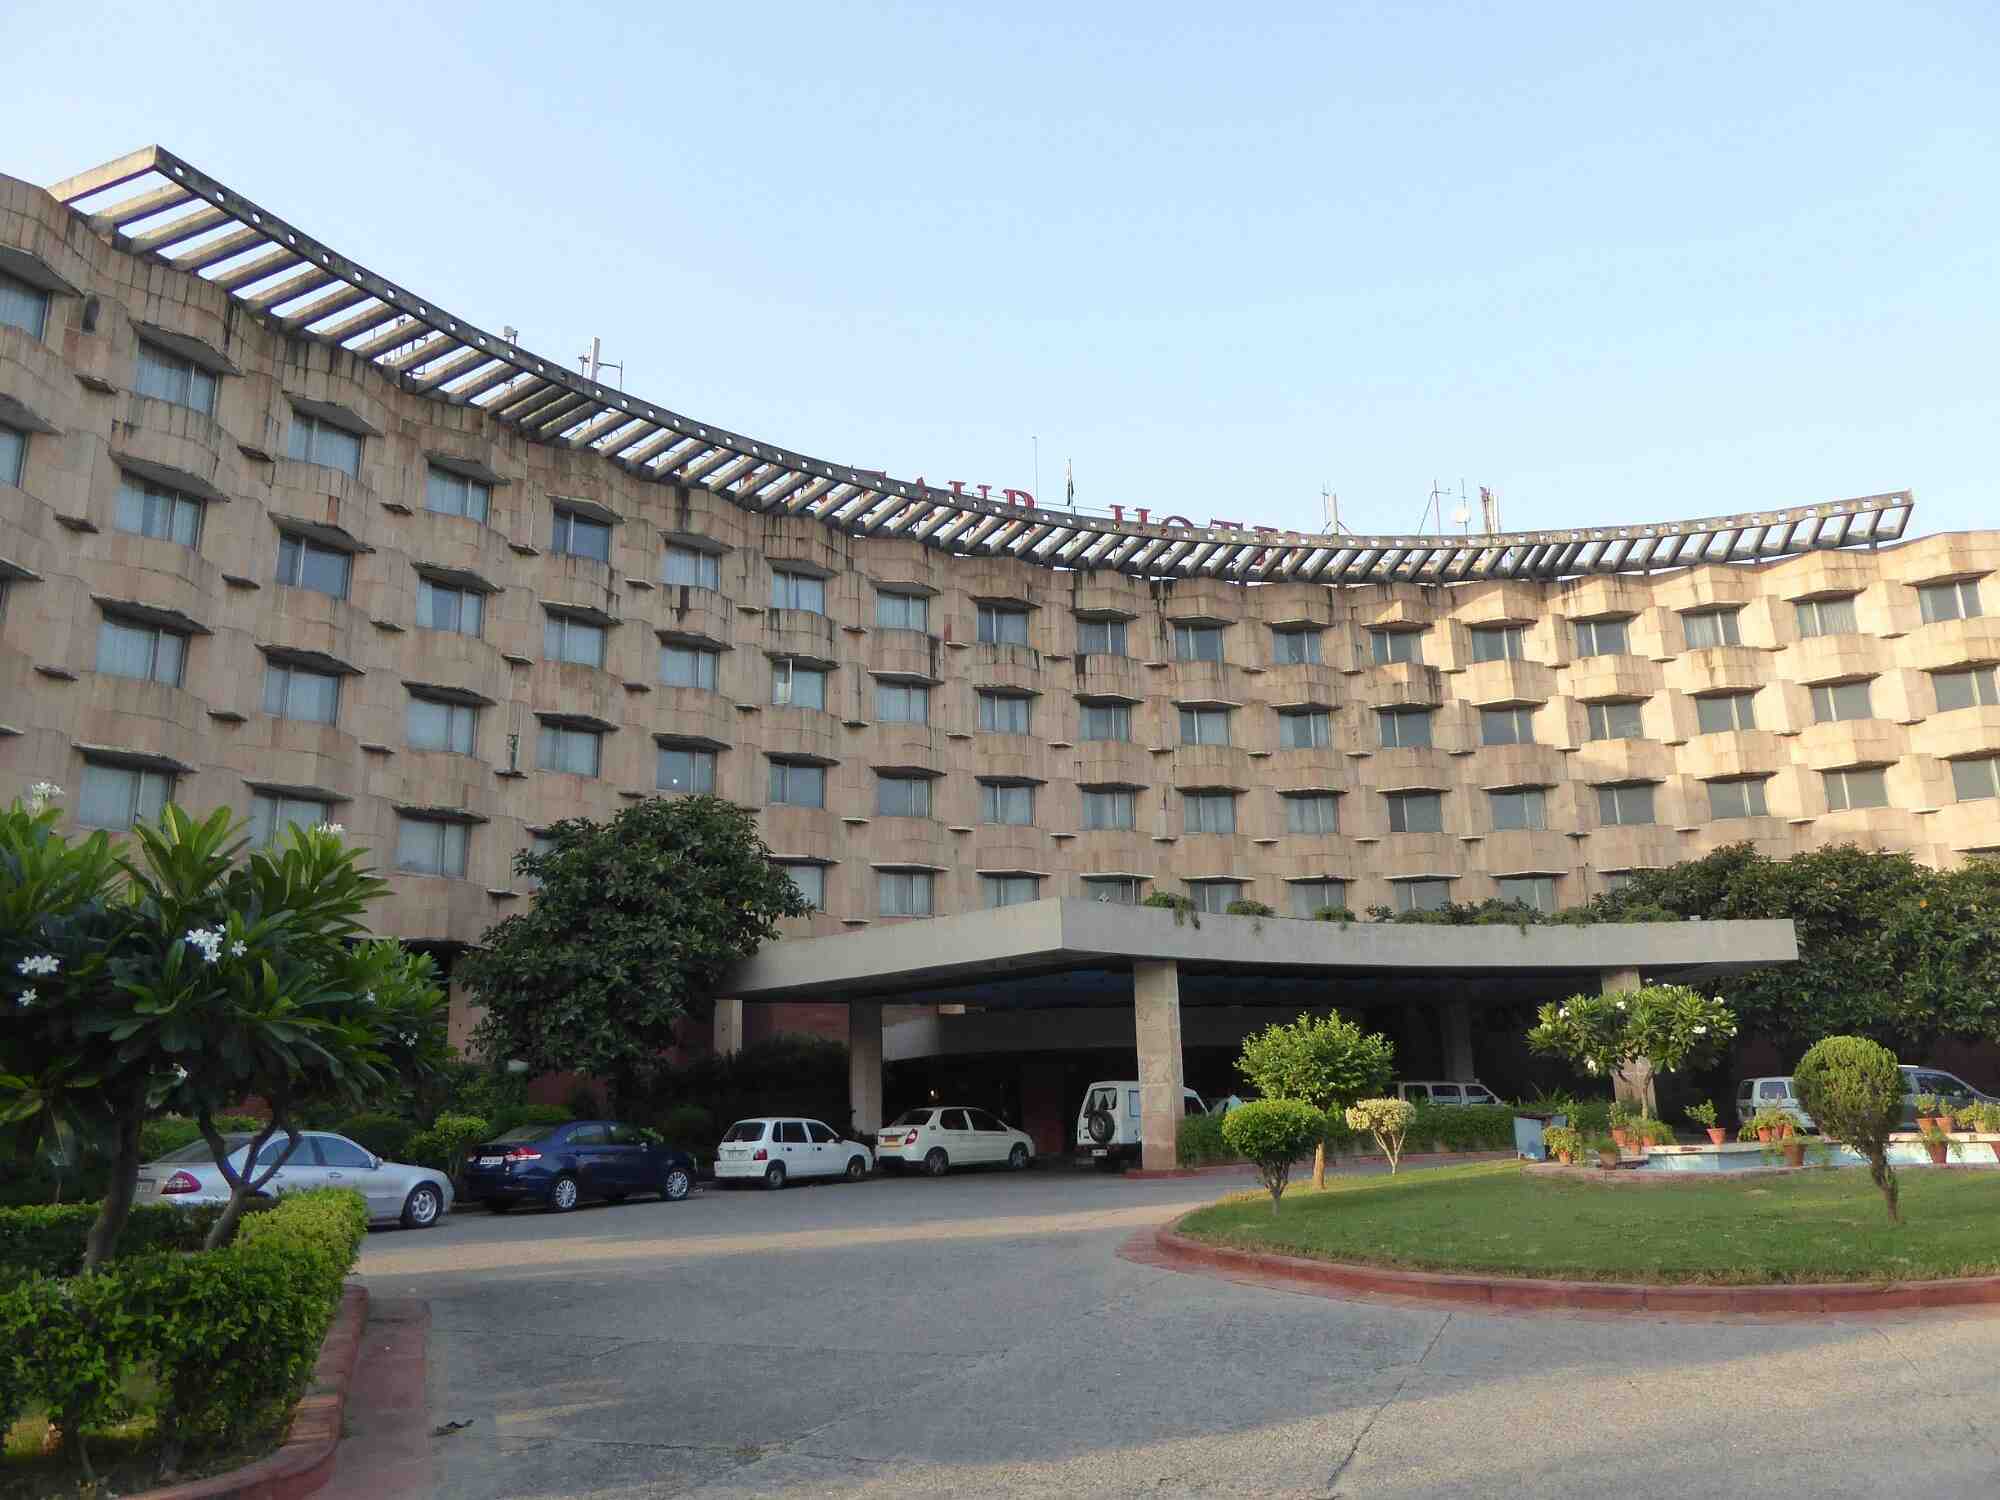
(1753, 1094)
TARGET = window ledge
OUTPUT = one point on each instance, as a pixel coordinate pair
(389, 625)
(748, 708)
(238, 581)
(96, 383)
(227, 716)
(638, 687)
(374, 747)
(643, 585)
(512, 775)
(502, 895)
(397, 508)
(958, 828)
(516, 661)
(58, 674)
(81, 524)
(522, 549)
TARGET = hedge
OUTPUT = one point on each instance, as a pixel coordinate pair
(48, 1239)
(232, 1335)
(387, 1135)
(1461, 1127)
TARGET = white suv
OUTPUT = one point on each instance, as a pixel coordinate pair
(1445, 1091)
(940, 1137)
(1107, 1125)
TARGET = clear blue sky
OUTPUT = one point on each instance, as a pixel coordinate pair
(1619, 262)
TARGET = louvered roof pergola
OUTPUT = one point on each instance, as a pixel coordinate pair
(152, 203)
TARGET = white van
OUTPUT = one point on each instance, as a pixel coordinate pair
(1107, 1124)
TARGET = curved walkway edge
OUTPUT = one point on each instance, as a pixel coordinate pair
(1512, 1294)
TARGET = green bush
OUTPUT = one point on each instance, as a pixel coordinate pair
(47, 1239)
(1247, 908)
(444, 1145)
(1333, 914)
(584, 1102)
(1462, 1127)
(1273, 1133)
(517, 1115)
(690, 1127)
(387, 1135)
(1853, 1090)
(1199, 1142)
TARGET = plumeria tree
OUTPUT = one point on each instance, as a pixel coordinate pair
(1663, 1027)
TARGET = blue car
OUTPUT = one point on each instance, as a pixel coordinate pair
(558, 1166)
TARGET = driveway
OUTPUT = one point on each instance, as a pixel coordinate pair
(980, 1336)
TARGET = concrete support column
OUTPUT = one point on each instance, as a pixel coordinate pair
(728, 1027)
(1633, 1083)
(864, 1066)
(1455, 1026)
(1156, 1017)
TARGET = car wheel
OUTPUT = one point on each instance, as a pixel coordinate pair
(1018, 1157)
(1100, 1126)
(936, 1164)
(857, 1168)
(563, 1196)
(499, 1205)
(423, 1207)
(675, 1185)
(774, 1176)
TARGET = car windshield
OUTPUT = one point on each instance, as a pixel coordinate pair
(744, 1130)
(523, 1133)
(911, 1117)
(198, 1150)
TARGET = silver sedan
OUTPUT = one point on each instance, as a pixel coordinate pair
(415, 1197)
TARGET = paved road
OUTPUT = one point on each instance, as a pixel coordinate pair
(981, 1336)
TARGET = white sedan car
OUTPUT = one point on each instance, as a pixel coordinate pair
(415, 1197)
(778, 1149)
(940, 1137)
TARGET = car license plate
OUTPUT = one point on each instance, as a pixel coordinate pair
(1099, 1151)
(489, 1161)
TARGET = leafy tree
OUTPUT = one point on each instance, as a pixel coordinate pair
(635, 922)
(1326, 1061)
(1853, 1090)
(1273, 1133)
(1663, 1027)
(1388, 1120)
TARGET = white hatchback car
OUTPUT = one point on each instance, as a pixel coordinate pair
(940, 1137)
(778, 1148)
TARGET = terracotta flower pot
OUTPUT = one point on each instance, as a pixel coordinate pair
(1764, 1136)
(1784, 1132)
(1937, 1150)
(1717, 1135)
(1795, 1153)
(1607, 1158)
(1565, 1158)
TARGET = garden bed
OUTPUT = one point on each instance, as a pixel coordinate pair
(1810, 1226)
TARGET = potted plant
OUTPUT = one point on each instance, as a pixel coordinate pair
(1703, 1114)
(1620, 1121)
(1938, 1141)
(1655, 1133)
(1767, 1125)
(1927, 1108)
(1563, 1143)
(1608, 1154)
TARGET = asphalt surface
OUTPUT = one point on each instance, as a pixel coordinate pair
(981, 1336)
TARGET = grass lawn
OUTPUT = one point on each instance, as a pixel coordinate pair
(1826, 1225)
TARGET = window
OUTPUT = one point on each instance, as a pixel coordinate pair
(1499, 642)
(792, 1133)
(1826, 616)
(684, 769)
(902, 796)
(1214, 896)
(433, 724)
(1110, 807)
(1208, 812)
(1105, 721)
(443, 607)
(1833, 701)
(1949, 601)
(1422, 895)
(1627, 804)
(902, 702)
(1197, 643)
(1711, 627)
(1291, 648)
(798, 786)
(798, 591)
(538, 843)
(1009, 803)
(566, 747)
(576, 535)
(24, 307)
(902, 612)
(1538, 891)
(119, 796)
(1008, 890)
(449, 494)
(1972, 779)
(1403, 728)
(1507, 726)
(1100, 638)
(1850, 789)
(1603, 637)
(1720, 712)
(1002, 626)
(1396, 645)
(904, 893)
(1737, 799)
(1617, 880)
(1526, 807)
(168, 377)
(297, 693)
(1311, 812)
(810, 880)
(566, 638)
(1415, 812)
(13, 456)
(427, 846)
(688, 666)
(1204, 726)
(314, 440)
(127, 649)
(1305, 731)
(691, 568)
(1114, 890)
(306, 564)
(335, 1152)
(1613, 721)
(794, 685)
(823, 1134)
(1310, 897)
(272, 813)
(1974, 687)
(1005, 713)
(146, 509)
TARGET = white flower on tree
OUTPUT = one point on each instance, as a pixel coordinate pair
(46, 963)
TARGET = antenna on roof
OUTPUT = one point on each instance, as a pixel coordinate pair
(593, 363)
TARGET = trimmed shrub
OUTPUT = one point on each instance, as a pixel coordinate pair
(1333, 914)
(584, 1102)
(1388, 1120)
(517, 1115)
(1246, 908)
(1273, 1133)
(387, 1135)
(444, 1145)
(1461, 1127)
(47, 1239)
(1853, 1090)
(689, 1127)
(1199, 1143)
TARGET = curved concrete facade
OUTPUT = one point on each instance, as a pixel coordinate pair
(1007, 721)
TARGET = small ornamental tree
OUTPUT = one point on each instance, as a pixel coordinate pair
(634, 923)
(1273, 1133)
(1325, 1061)
(1853, 1090)
(1388, 1120)
(1663, 1027)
